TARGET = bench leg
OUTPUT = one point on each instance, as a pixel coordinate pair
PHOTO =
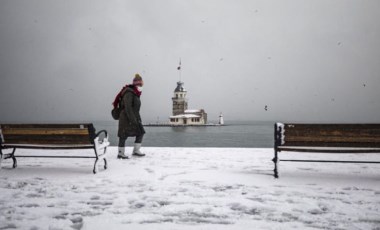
(104, 158)
(95, 170)
(1, 157)
(105, 163)
(14, 162)
(97, 150)
(14, 158)
(6, 156)
(95, 166)
(275, 161)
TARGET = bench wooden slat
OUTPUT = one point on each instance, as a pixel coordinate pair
(40, 131)
(44, 142)
(46, 137)
(333, 133)
(50, 146)
(49, 139)
(333, 126)
(332, 139)
(55, 126)
(329, 150)
(332, 144)
(73, 140)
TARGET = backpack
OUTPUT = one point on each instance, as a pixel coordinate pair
(115, 112)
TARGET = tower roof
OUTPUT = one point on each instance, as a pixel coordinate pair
(180, 87)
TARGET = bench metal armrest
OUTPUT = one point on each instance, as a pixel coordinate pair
(105, 139)
(100, 132)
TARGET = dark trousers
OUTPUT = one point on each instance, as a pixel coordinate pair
(138, 140)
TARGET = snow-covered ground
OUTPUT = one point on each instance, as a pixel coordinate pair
(191, 188)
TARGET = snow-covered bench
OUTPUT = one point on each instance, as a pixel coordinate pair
(52, 136)
(325, 138)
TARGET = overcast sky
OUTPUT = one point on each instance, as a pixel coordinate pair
(316, 61)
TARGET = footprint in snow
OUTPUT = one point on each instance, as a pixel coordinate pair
(8, 226)
(315, 211)
(290, 216)
(163, 202)
(101, 203)
(324, 207)
(157, 221)
(95, 197)
(29, 206)
(90, 213)
(257, 199)
(16, 185)
(137, 205)
(17, 195)
(244, 209)
(77, 223)
(290, 201)
(174, 174)
(149, 170)
(222, 188)
(63, 204)
(62, 216)
(351, 188)
(33, 195)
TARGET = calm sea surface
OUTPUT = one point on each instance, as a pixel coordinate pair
(234, 134)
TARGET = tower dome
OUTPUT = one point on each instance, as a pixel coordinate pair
(180, 87)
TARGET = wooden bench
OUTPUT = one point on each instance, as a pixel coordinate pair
(52, 136)
(325, 138)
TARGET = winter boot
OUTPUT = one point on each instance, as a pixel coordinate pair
(136, 150)
(121, 154)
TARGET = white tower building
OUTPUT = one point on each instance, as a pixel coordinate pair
(221, 120)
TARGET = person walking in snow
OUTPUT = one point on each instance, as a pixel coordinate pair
(130, 124)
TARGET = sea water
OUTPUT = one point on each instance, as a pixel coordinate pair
(233, 134)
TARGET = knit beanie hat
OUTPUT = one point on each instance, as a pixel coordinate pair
(138, 79)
